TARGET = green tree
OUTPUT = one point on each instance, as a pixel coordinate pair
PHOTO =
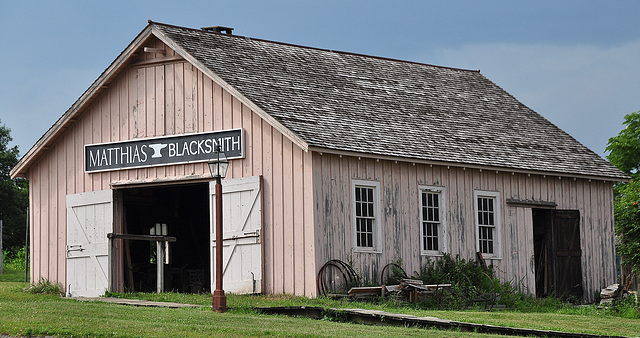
(627, 223)
(624, 153)
(624, 149)
(14, 195)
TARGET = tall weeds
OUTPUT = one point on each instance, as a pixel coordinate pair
(14, 260)
(471, 284)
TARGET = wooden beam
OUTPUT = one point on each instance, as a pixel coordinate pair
(150, 238)
(531, 203)
(155, 50)
(157, 61)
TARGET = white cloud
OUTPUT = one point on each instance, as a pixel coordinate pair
(584, 89)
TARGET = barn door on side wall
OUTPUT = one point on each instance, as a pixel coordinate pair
(242, 235)
(89, 219)
(566, 253)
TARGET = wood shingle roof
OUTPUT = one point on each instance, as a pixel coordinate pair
(345, 102)
(363, 104)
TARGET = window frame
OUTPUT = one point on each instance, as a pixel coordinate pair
(497, 226)
(377, 220)
(442, 225)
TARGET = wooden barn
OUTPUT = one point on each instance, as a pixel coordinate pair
(333, 155)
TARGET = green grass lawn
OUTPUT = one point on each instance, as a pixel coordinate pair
(10, 275)
(567, 318)
(24, 314)
(27, 314)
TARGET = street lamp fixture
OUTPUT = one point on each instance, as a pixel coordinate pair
(218, 166)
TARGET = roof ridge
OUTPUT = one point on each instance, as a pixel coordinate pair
(314, 48)
(439, 102)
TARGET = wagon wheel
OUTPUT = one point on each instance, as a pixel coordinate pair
(390, 267)
(343, 276)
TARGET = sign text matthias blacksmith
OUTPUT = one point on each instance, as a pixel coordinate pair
(148, 152)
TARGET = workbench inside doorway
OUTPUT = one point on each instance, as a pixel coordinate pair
(179, 211)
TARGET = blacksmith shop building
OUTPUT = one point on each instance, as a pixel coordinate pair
(333, 155)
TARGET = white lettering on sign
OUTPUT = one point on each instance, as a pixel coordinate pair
(163, 151)
(206, 146)
(118, 155)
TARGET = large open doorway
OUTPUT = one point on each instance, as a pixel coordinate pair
(557, 253)
(183, 210)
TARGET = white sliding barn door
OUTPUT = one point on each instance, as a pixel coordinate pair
(89, 219)
(242, 231)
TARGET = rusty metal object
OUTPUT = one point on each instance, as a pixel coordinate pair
(342, 269)
(391, 265)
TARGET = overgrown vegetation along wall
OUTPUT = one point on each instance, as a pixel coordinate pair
(399, 204)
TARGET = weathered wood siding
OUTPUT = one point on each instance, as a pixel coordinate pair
(307, 198)
(158, 98)
(399, 183)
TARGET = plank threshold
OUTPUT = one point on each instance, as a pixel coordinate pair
(135, 302)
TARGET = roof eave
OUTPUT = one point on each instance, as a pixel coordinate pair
(513, 171)
(22, 167)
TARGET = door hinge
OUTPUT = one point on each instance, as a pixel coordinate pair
(77, 247)
(245, 234)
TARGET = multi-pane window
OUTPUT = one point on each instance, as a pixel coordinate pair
(431, 231)
(486, 224)
(366, 218)
(487, 220)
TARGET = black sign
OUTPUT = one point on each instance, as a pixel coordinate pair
(148, 152)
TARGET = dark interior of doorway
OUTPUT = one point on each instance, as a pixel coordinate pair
(185, 211)
(541, 228)
(557, 253)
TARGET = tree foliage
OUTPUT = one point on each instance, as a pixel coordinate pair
(14, 195)
(624, 149)
(627, 215)
(624, 153)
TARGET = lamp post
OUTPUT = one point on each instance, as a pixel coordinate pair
(218, 166)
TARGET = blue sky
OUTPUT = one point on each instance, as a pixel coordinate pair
(577, 63)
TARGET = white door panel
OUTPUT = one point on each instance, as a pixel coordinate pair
(89, 219)
(242, 230)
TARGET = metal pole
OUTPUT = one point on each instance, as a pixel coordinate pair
(26, 251)
(112, 260)
(219, 298)
(1, 252)
(160, 266)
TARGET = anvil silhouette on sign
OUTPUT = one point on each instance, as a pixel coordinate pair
(156, 149)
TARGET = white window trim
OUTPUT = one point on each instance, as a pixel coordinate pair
(443, 233)
(377, 224)
(497, 249)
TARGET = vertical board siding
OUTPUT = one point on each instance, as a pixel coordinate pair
(288, 213)
(400, 220)
(307, 206)
(308, 233)
(161, 99)
(267, 174)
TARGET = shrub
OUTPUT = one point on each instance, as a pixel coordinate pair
(469, 281)
(627, 308)
(46, 287)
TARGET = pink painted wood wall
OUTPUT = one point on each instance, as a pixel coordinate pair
(307, 196)
(400, 235)
(164, 96)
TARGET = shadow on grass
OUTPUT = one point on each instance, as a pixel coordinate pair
(9, 275)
